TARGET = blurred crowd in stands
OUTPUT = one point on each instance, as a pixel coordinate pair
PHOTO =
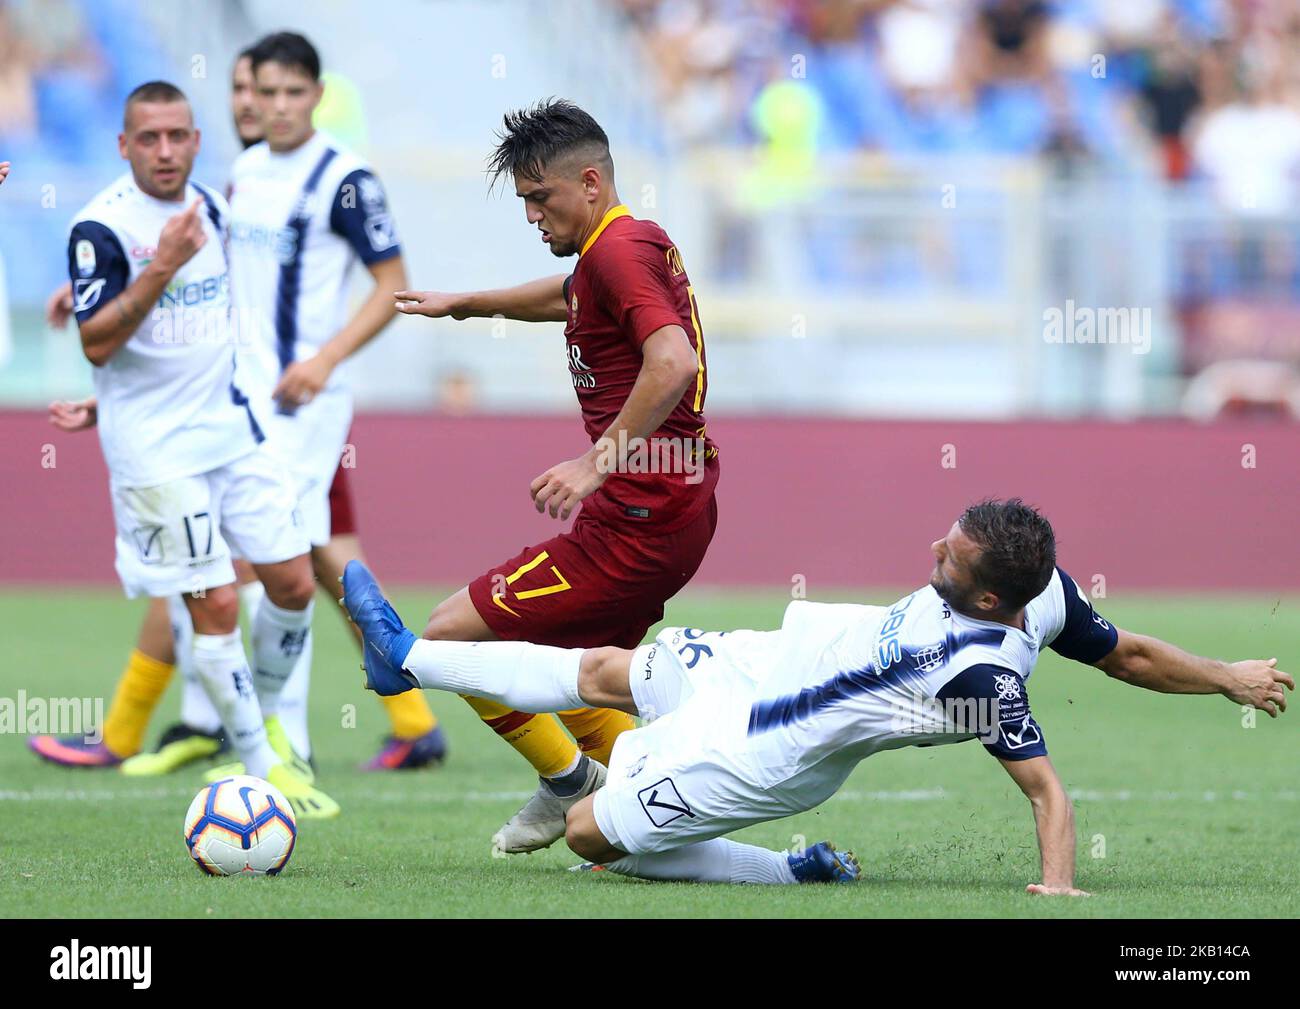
(1179, 86)
(64, 65)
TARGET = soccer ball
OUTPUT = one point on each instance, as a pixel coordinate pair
(240, 826)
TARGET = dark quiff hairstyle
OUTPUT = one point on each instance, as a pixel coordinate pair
(535, 137)
(152, 91)
(1017, 549)
(288, 49)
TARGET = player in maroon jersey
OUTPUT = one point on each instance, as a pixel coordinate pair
(635, 353)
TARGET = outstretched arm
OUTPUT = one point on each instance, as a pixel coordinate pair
(536, 301)
(1054, 819)
(1157, 665)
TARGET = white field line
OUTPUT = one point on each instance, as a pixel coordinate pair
(130, 794)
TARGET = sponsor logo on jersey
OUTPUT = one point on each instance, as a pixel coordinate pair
(195, 293)
(372, 193)
(930, 657)
(636, 768)
(1007, 686)
(85, 252)
(650, 661)
(280, 242)
(1017, 733)
(86, 293)
(578, 371)
(380, 231)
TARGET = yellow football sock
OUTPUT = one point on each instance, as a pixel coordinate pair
(142, 684)
(410, 714)
(540, 739)
(595, 729)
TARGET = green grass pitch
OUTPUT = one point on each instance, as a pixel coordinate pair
(1182, 811)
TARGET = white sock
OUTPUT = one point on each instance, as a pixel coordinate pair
(717, 861)
(250, 598)
(196, 707)
(279, 638)
(293, 702)
(520, 675)
(222, 666)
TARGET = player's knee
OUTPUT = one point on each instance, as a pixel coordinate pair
(602, 677)
(289, 584)
(216, 611)
(447, 623)
(583, 836)
(294, 589)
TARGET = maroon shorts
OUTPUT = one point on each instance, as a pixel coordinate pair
(343, 520)
(593, 585)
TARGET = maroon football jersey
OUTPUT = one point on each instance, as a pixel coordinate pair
(629, 282)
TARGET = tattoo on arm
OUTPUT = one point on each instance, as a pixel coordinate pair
(127, 308)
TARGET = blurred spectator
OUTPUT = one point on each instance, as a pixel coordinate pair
(17, 91)
(1250, 146)
(1008, 42)
(1170, 93)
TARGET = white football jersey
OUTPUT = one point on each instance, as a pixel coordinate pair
(300, 221)
(170, 402)
(848, 681)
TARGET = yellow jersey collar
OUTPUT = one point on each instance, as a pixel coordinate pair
(611, 215)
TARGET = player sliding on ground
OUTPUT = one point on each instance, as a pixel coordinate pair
(749, 726)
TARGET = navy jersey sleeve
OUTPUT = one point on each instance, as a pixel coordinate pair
(992, 702)
(97, 267)
(1086, 635)
(360, 215)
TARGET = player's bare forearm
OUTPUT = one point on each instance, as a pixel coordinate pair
(113, 325)
(1053, 821)
(536, 301)
(668, 367)
(1157, 665)
(375, 313)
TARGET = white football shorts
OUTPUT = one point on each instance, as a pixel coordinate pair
(310, 443)
(670, 782)
(180, 536)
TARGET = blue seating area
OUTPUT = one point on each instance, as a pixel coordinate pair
(78, 117)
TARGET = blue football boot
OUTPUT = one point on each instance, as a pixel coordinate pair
(386, 641)
(823, 864)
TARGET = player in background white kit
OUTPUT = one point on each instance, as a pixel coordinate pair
(748, 726)
(190, 475)
(304, 211)
(417, 739)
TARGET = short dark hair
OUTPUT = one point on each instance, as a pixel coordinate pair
(246, 53)
(534, 137)
(289, 49)
(152, 91)
(1017, 549)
